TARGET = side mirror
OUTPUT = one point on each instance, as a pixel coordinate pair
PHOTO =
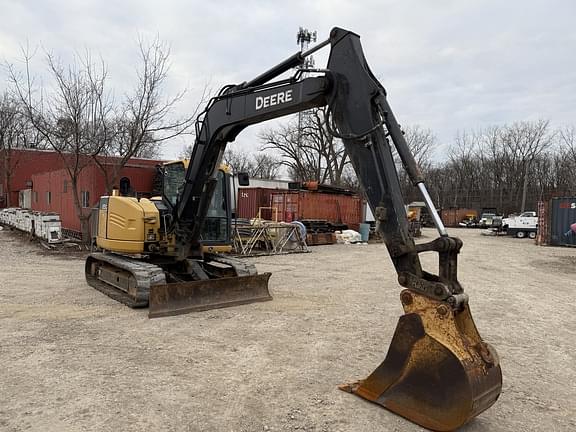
(243, 179)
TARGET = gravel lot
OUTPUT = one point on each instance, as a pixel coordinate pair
(71, 359)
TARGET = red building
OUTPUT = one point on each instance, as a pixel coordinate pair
(52, 191)
(17, 168)
(42, 175)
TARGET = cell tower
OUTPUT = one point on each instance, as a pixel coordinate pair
(303, 38)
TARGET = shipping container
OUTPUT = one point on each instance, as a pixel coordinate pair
(562, 216)
(336, 208)
(251, 200)
(273, 185)
(451, 217)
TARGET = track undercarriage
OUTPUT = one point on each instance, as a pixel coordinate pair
(171, 288)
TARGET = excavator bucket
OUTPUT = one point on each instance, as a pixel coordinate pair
(438, 372)
(184, 297)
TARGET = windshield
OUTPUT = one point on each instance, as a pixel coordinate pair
(173, 180)
(216, 224)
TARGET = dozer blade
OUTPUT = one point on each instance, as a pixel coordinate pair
(180, 298)
(438, 372)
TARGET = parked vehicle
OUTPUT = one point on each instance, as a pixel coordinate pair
(490, 220)
(438, 373)
(521, 226)
(470, 221)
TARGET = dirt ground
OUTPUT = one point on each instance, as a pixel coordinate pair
(71, 359)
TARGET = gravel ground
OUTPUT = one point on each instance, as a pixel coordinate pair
(71, 359)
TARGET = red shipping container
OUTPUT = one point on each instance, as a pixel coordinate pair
(543, 234)
(451, 217)
(250, 200)
(336, 208)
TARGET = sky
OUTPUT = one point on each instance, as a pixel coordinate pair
(447, 65)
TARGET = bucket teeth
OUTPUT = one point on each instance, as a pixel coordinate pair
(438, 372)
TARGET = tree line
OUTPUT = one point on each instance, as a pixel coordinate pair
(509, 167)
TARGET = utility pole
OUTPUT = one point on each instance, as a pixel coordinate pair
(303, 38)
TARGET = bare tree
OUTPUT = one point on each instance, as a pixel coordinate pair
(15, 133)
(12, 136)
(315, 137)
(309, 152)
(301, 165)
(509, 167)
(422, 143)
(526, 142)
(9, 132)
(146, 118)
(568, 143)
(72, 118)
(266, 166)
(565, 159)
(80, 119)
(239, 161)
(260, 165)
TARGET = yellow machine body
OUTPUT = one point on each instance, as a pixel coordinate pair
(127, 225)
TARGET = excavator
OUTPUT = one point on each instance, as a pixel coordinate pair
(438, 371)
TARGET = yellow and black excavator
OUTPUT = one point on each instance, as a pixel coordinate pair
(138, 250)
(438, 372)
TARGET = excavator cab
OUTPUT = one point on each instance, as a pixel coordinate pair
(217, 233)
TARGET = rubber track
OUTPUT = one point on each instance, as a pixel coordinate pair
(144, 273)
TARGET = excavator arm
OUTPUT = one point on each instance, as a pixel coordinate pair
(359, 114)
(438, 372)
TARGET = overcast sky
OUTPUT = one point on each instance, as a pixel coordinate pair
(447, 65)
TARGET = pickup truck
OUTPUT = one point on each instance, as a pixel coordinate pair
(521, 226)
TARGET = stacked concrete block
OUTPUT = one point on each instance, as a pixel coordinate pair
(44, 225)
